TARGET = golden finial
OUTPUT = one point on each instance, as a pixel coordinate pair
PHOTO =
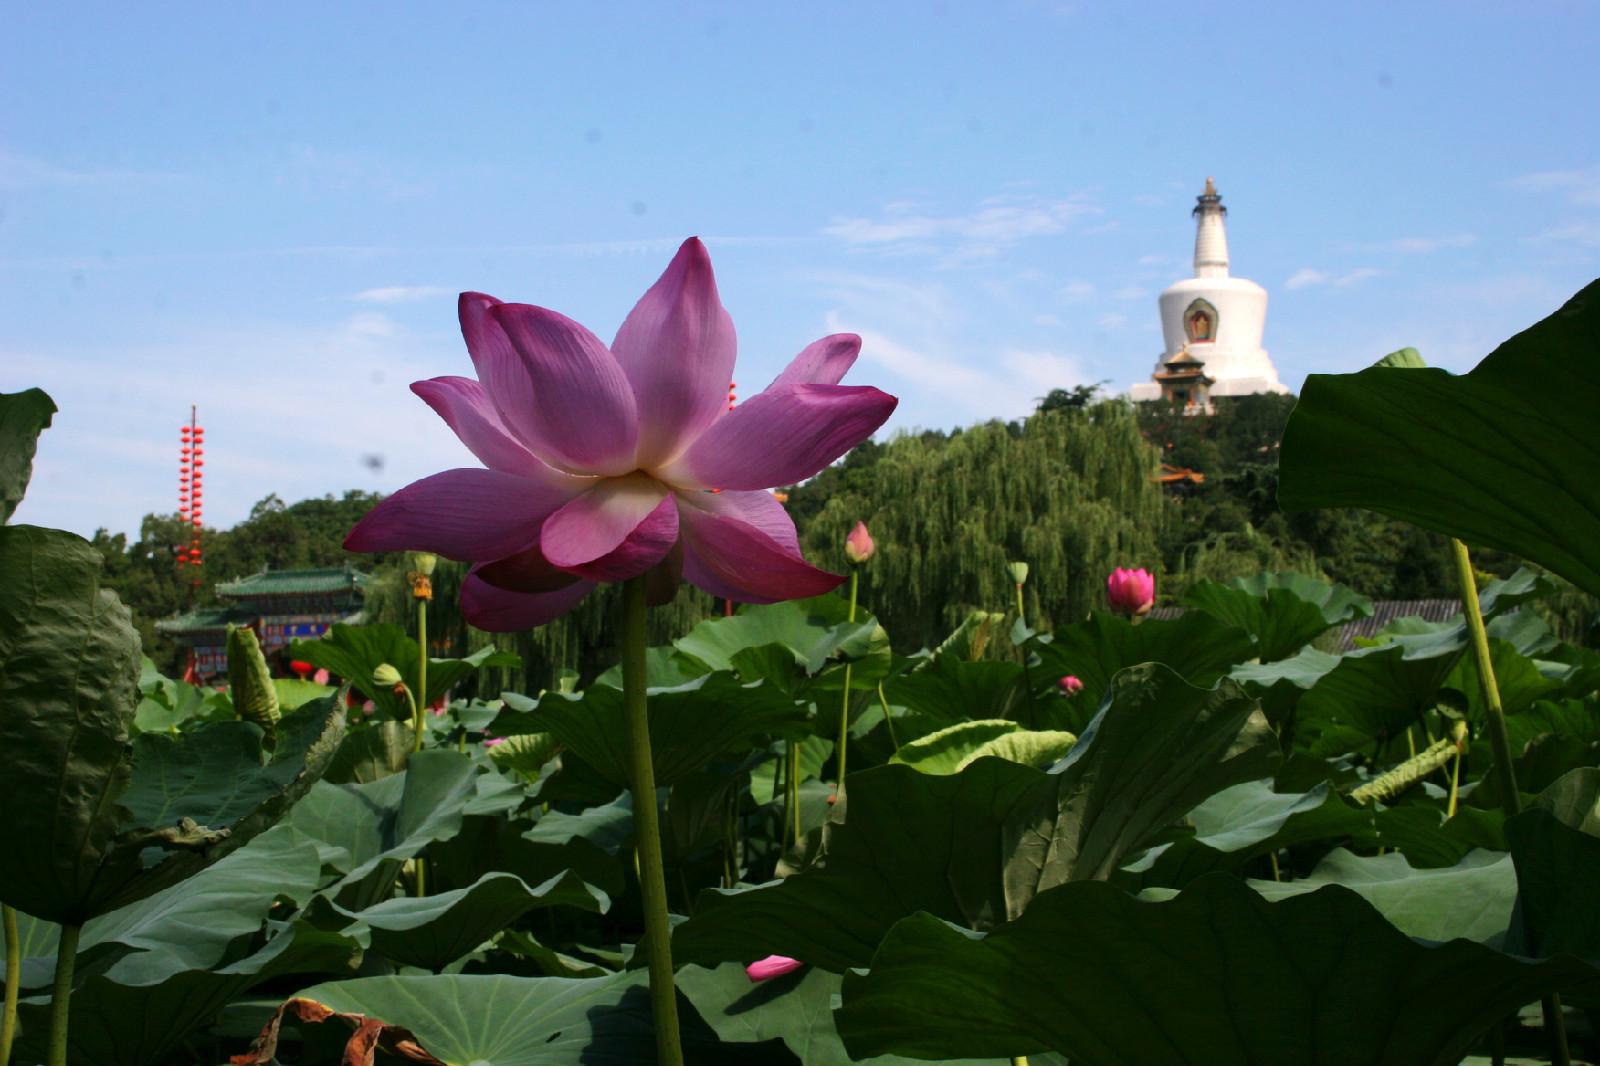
(1211, 188)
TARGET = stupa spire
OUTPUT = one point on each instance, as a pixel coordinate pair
(1210, 239)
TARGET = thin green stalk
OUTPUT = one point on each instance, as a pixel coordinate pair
(8, 1022)
(794, 791)
(422, 669)
(416, 717)
(887, 717)
(1021, 614)
(61, 994)
(646, 823)
(844, 704)
(1511, 800)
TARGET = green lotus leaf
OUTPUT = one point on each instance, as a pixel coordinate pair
(1517, 677)
(69, 670)
(488, 844)
(363, 832)
(944, 751)
(689, 725)
(796, 1008)
(1471, 900)
(1284, 612)
(949, 689)
(353, 652)
(1031, 747)
(497, 1020)
(250, 680)
(976, 846)
(435, 930)
(1246, 821)
(1215, 975)
(23, 416)
(1194, 646)
(814, 631)
(140, 1024)
(1556, 846)
(1498, 457)
(366, 755)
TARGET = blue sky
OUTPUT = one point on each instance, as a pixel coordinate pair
(267, 209)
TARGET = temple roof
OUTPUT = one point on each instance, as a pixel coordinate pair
(294, 583)
(204, 619)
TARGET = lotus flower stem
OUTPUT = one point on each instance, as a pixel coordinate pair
(61, 994)
(794, 790)
(646, 821)
(1511, 800)
(844, 704)
(8, 1023)
(421, 703)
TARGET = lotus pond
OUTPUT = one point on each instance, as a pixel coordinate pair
(1229, 841)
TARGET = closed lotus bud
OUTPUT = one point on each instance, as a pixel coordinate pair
(858, 545)
(1458, 733)
(1131, 591)
(1018, 572)
(386, 676)
(1070, 686)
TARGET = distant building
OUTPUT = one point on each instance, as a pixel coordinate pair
(280, 605)
(1211, 324)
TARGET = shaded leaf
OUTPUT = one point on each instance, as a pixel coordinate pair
(1284, 612)
(23, 416)
(1215, 975)
(1497, 457)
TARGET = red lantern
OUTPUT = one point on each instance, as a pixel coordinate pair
(199, 462)
(199, 451)
(199, 430)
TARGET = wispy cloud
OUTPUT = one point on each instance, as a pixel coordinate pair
(909, 228)
(1307, 277)
(399, 294)
(23, 172)
(1581, 187)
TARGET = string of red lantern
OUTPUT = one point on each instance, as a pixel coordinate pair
(191, 448)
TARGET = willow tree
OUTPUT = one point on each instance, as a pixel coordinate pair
(1068, 492)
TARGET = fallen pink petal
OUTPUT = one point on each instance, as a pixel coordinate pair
(772, 966)
(604, 463)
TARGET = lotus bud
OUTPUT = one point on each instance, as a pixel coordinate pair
(1131, 592)
(772, 966)
(858, 545)
(1018, 572)
(386, 676)
(255, 699)
(1458, 733)
(1070, 686)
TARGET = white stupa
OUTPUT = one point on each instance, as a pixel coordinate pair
(1213, 319)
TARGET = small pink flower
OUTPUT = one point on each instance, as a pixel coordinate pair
(1131, 592)
(320, 677)
(606, 463)
(858, 545)
(492, 741)
(1070, 686)
(772, 966)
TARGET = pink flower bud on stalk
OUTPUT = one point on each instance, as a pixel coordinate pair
(1131, 592)
(1070, 686)
(772, 966)
(858, 545)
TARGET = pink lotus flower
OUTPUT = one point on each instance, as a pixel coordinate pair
(320, 677)
(772, 966)
(605, 463)
(1131, 591)
(858, 545)
(1070, 686)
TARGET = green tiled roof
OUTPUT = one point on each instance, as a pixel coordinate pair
(203, 618)
(294, 583)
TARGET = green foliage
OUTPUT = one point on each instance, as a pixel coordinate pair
(1391, 440)
(249, 680)
(23, 416)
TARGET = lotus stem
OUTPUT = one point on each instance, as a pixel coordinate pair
(1511, 800)
(420, 706)
(646, 823)
(8, 1022)
(61, 994)
(844, 704)
(1021, 614)
(794, 790)
(888, 718)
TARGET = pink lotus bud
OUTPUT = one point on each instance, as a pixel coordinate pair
(320, 677)
(774, 965)
(1131, 591)
(1070, 686)
(858, 545)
